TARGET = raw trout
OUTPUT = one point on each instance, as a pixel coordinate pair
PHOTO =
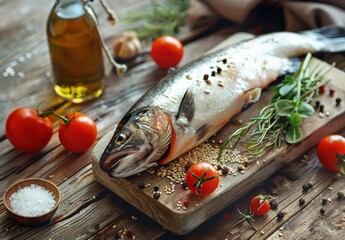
(190, 105)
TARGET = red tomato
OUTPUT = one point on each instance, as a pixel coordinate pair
(166, 51)
(202, 179)
(27, 131)
(260, 205)
(331, 153)
(79, 134)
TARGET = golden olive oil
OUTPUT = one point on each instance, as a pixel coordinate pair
(76, 52)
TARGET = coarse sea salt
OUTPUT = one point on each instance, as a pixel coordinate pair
(32, 200)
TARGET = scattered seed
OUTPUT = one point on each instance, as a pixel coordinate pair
(141, 186)
(262, 232)
(330, 188)
(324, 201)
(224, 60)
(280, 234)
(205, 76)
(280, 215)
(207, 91)
(188, 77)
(156, 188)
(114, 226)
(213, 73)
(186, 202)
(219, 70)
(301, 201)
(340, 194)
(130, 235)
(337, 176)
(331, 92)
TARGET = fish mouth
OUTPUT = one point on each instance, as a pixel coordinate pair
(114, 159)
(131, 162)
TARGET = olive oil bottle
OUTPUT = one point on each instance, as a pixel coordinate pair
(75, 51)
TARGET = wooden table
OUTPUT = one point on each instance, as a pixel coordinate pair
(89, 210)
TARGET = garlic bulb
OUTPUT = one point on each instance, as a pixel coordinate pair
(126, 46)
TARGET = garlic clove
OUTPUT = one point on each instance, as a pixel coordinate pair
(126, 46)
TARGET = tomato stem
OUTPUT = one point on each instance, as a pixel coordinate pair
(201, 180)
(247, 217)
(46, 113)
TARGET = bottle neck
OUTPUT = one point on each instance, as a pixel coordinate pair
(69, 9)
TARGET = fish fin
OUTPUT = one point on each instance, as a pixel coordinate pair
(332, 36)
(293, 66)
(187, 106)
(201, 132)
(251, 96)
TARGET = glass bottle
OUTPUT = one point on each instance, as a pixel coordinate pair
(75, 51)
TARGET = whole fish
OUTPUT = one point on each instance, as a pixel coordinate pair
(190, 105)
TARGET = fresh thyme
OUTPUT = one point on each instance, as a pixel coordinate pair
(159, 19)
(282, 118)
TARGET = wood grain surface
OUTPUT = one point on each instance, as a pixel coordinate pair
(88, 210)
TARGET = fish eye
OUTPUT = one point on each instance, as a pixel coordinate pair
(121, 138)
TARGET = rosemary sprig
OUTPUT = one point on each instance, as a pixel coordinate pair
(159, 19)
(282, 118)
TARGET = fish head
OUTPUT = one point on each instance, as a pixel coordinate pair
(139, 141)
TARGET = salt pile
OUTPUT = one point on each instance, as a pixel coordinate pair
(32, 200)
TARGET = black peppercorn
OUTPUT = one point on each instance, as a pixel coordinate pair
(322, 107)
(322, 211)
(213, 73)
(338, 101)
(274, 204)
(324, 201)
(225, 170)
(224, 60)
(219, 70)
(156, 188)
(117, 236)
(301, 201)
(141, 186)
(205, 76)
(184, 184)
(280, 216)
(317, 104)
(156, 195)
(305, 187)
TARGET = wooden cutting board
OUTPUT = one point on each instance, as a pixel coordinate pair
(181, 221)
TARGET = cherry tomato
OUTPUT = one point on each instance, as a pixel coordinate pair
(331, 153)
(260, 205)
(27, 131)
(166, 51)
(202, 179)
(79, 134)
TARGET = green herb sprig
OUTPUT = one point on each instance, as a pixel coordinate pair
(160, 18)
(282, 118)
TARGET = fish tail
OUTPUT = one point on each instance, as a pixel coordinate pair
(332, 36)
